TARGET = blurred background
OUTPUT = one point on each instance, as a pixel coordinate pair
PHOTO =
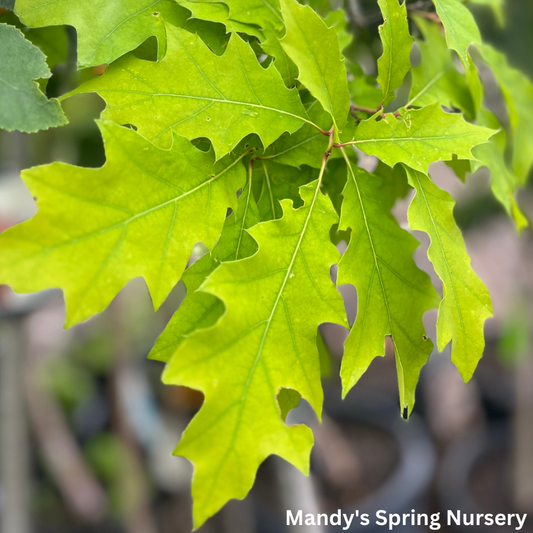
(87, 429)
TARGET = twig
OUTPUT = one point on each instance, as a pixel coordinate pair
(428, 15)
(355, 107)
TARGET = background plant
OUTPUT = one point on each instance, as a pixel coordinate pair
(210, 128)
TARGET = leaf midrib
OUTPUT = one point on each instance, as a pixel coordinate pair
(267, 179)
(245, 214)
(268, 322)
(433, 81)
(124, 223)
(445, 259)
(285, 280)
(319, 69)
(413, 139)
(389, 72)
(208, 99)
(374, 254)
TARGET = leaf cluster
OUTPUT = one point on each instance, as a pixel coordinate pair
(239, 124)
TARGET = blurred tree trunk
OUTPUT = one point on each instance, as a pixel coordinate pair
(14, 450)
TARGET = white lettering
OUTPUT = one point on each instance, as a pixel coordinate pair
(335, 519)
(521, 521)
(501, 520)
(294, 520)
(394, 520)
(319, 517)
(310, 520)
(381, 518)
(435, 522)
(348, 519)
(456, 519)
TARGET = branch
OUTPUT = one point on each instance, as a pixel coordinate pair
(428, 15)
(355, 107)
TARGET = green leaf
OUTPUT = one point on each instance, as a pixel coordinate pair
(436, 80)
(393, 293)
(460, 27)
(212, 33)
(279, 182)
(419, 137)
(462, 31)
(397, 42)
(474, 84)
(337, 21)
(283, 63)
(201, 310)
(305, 147)
(251, 12)
(52, 41)
(288, 70)
(107, 29)
(503, 182)
(492, 155)
(363, 90)
(466, 302)
(7, 4)
(138, 215)
(23, 106)
(460, 167)
(314, 48)
(221, 98)
(333, 184)
(219, 12)
(288, 399)
(497, 6)
(274, 302)
(514, 342)
(517, 89)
